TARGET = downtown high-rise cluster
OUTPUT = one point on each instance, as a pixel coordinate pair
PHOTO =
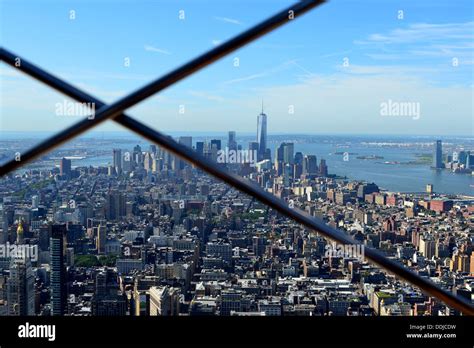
(151, 235)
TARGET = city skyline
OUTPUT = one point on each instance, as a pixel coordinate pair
(359, 157)
(227, 149)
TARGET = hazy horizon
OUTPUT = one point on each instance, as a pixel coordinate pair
(239, 133)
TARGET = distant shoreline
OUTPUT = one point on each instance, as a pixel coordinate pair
(126, 134)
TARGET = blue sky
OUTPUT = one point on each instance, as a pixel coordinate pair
(298, 67)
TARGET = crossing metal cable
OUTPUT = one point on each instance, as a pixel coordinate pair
(244, 185)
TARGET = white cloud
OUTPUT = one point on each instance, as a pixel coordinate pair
(156, 49)
(423, 32)
(265, 73)
(384, 56)
(228, 20)
(385, 70)
(245, 78)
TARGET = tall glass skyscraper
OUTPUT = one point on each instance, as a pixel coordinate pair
(438, 155)
(188, 142)
(288, 153)
(65, 166)
(261, 135)
(3, 225)
(232, 142)
(58, 271)
(117, 154)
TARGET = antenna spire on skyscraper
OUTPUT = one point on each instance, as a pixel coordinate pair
(262, 106)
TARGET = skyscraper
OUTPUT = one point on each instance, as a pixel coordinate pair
(323, 168)
(3, 225)
(232, 142)
(200, 148)
(127, 162)
(115, 205)
(188, 142)
(438, 155)
(21, 288)
(101, 239)
(470, 160)
(117, 161)
(258, 245)
(65, 166)
(58, 271)
(287, 174)
(285, 153)
(297, 170)
(261, 135)
(148, 161)
(253, 146)
(288, 153)
(279, 153)
(216, 143)
(215, 146)
(310, 164)
(299, 158)
(137, 156)
(107, 299)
